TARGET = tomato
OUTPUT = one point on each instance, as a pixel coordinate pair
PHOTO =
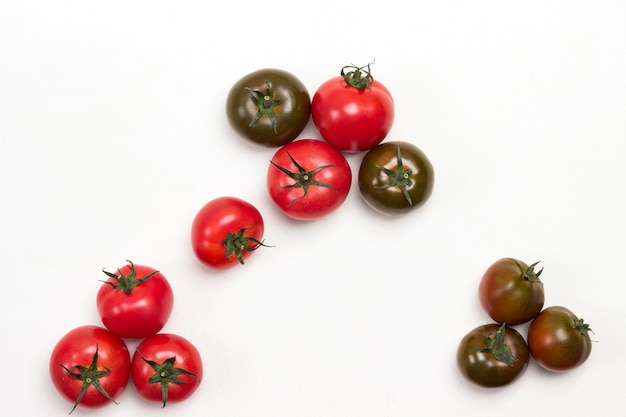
(226, 231)
(492, 355)
(90, 367)
(135, 302)
(396, 177)
(353, 112)
(511, 292)
(166, 368)
(269, 107)
(558, 340)
(308, 179)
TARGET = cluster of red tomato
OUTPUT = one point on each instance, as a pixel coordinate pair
(311, 178)
(91, 365)
(511, 293)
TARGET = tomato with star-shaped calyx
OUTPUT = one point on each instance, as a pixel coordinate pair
(166, 368)
(308, 179)
(396, 177)
(269, 107)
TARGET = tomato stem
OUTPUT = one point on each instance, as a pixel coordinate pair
(127, 282)
(165, 374)
(359, 77)
(237, 243)
(399, 178)
(265, 103)
(529, 273)
(497, 347)
(89, 375)
(303, 178)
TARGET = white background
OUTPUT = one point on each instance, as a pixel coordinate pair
(113, 134)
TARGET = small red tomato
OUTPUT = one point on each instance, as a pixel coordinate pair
(308, 179)
(558, 340)
(511, 292)
(492, 355)
(353, 112)
(90, 367)
(226, 231)
(135, 302)
(166, 368)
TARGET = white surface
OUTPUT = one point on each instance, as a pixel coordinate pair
(113, 135)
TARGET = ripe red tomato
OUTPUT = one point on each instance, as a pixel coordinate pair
(396, 177)
(353, 112)
(308, 179)
(90, 367)
(511, 292)
(492, 355)
(166, 368)
(269, 107)
(226, 231)
(558, 340)
(135, 302)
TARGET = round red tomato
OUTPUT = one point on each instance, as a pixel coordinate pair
(269, 107)
(308, 179)
(226, 231)
(166, 368)
(492, 355)
(558, 340)
(135, 302)
(511, 292)
(90, 367)
(353, 112)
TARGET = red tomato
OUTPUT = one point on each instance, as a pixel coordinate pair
(135, 302)
(308, 179)
(225, 232)
(166, 368)
(353, 112)
(90, 367)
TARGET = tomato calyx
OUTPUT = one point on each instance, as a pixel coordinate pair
(529, 273)
(166, 373)
(237, 243)
(90, 376)
(127, 282)
(265, 103)
(582, 327)
(359, 78)
(497, 347)
(303, 178)
(399, 178)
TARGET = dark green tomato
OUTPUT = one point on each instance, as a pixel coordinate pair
(493, 355)
(269, 107)
(396, 177)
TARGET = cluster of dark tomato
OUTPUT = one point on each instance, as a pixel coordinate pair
(91, 365)
(310, 178)
(495, 354)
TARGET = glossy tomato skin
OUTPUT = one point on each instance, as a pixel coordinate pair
(135, 302)
(482, 367)
(176, 362)
(511, 292)
(558, 340)
(352, 119)
(396, 177)
(230, 218)
(78, 348)
(269, 107)
(308, 179)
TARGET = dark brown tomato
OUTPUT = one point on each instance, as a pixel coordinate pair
(269, 107)
(492, 355)
(558, 340)
(396, 177)
(511, 292)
